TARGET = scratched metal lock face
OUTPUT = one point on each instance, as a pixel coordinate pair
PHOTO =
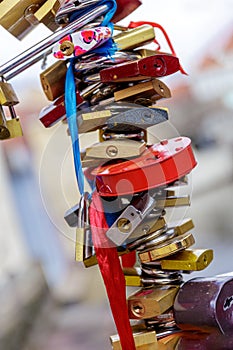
(205, 303)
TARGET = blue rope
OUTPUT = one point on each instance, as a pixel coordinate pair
(70, 104)
(70, 90)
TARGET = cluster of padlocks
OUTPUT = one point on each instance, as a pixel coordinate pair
(114, 85)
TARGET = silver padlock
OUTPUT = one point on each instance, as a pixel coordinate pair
(130, 219)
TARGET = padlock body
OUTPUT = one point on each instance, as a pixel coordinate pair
(53, 80)
(7, 95)
(14, 127)
(13, 16)
(205, 303)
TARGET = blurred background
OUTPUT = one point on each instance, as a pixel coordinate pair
(47, 300)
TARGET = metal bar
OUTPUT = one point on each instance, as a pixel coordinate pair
(27, 64)
(28, 56)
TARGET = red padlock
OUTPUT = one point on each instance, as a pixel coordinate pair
(56, 111)
(159, 65)
(160, 164)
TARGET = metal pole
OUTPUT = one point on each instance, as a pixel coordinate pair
(36, 52)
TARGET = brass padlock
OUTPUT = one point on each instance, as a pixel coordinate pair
(113, 149)
(151, 302)
(152, 90)
(53, 80)
(168, 248)
(46, 14)
(133, 38)
(4, 132)
(13, 124)
(188, 260)
(14, 127)
(7, 94)
(13, 16)
(90, 121)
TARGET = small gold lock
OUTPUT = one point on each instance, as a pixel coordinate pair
(14, 13)
(148, 303)
(53, 80)
(46, 14)
(4, 132)
(154, 90)
(14, 127)
(7, 94)
(134, 38)
(168, 248)
(93, 120)
(111, 149)
(188, 260)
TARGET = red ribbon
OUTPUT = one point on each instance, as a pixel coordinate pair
(156, 25)
(112, 273)
(128, 260)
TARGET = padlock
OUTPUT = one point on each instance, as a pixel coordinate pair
(204, 341)
(53, 80)
(4, 132)
(13, 15)
(159, 65)
(90, 121)
(7, 94)
(152, 90)
(151, 223)
(130, 219)
(82, 226)
(147, 171)
(205, 303)
(155, 237)
(120, 120)
(14, 127)
(134, 38)
(113, 149)
(56, 111)
(135, 118)
(46, 14)
(151, 302)
(167, 248)
(13, 124)
(188, 260)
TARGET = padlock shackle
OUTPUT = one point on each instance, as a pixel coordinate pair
(35, 53)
